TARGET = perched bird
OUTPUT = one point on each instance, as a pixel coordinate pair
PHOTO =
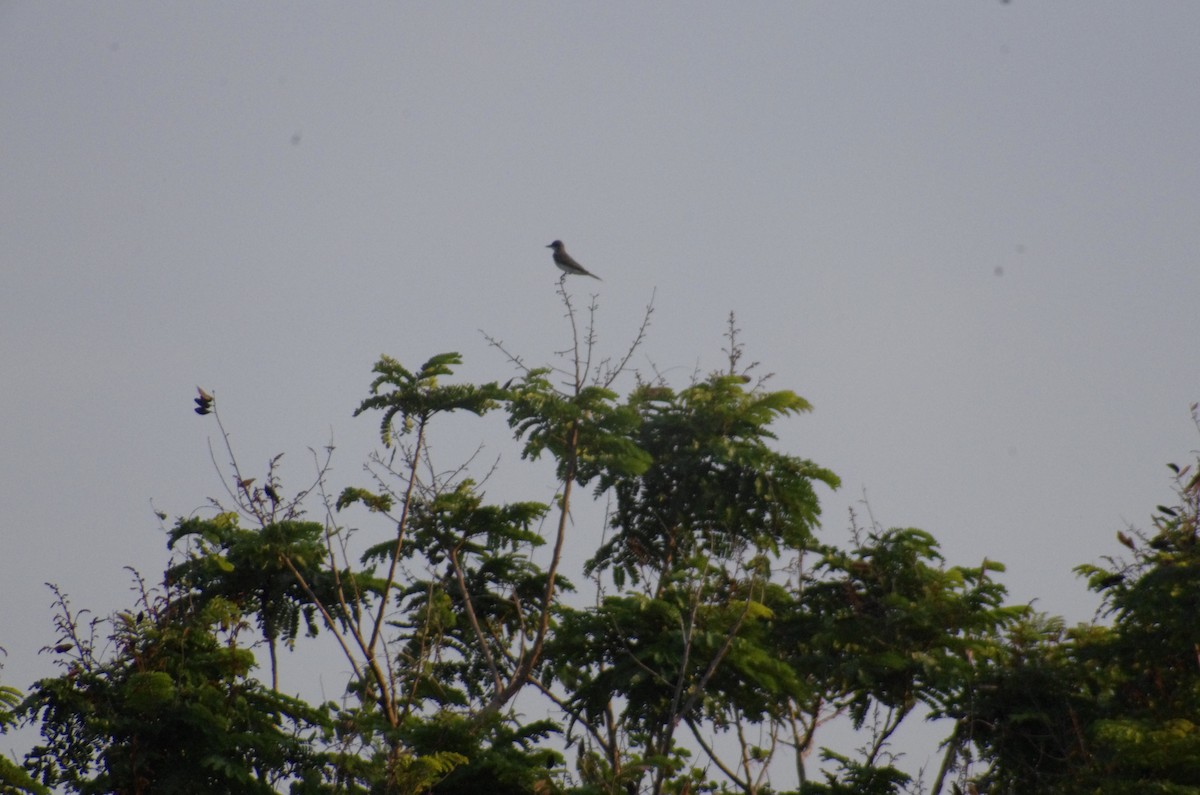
(204, 402)
(567, 264)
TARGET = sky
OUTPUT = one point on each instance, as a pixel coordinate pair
(965, 231)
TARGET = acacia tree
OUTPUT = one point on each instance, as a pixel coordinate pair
(1103, 709)
(170, 708)
(727, 616)
(722, 634)
(694, 537)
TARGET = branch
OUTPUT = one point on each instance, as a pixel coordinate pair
(473, 618)
(638, 339)
(401, 526)
(712, 754)
(531, 658)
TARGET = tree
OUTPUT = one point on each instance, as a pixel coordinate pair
(171, 709)
(13, 778)
(1099, 709)
(722, 635)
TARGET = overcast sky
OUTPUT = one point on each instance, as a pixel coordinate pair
(966, 231)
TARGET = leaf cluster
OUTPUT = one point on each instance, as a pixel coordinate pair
(171, 710)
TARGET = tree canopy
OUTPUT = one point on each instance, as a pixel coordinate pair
(710, 636)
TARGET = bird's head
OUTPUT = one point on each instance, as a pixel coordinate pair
(557, 245)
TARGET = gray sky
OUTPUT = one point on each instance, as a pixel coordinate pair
(966, 231)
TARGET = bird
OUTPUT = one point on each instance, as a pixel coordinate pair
(204, 402)
(567, 264)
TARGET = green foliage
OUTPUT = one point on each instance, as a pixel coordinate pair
(630, 649)
(171, 710)
(10, 697)
(376, 503)
(712, 485)
(1145, 750)
(854, 778)
(886, 622)
(1022, 704)
(586, 432)
(13, 778)
(15, 781)
(476, 602)
(498, 756)
(417, 397)
(1105, 710)
(718, 619)
(275, 573)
